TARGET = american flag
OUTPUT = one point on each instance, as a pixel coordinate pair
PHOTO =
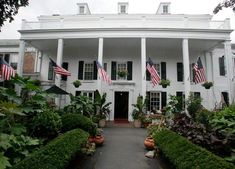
(102, 73)
(153, 72)
(6, 70)
(199, 72)
(59, 70)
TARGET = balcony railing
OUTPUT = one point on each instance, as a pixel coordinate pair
(117, 21)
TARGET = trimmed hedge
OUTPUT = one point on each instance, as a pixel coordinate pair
(185, 155)
(73, 121)
(58, 153)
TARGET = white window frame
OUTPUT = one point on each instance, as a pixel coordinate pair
(117, 68)
(84, 70)
(155, 105)
(88, 93)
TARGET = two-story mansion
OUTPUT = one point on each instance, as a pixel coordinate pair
(125, 41)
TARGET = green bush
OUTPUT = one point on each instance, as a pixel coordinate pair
(46, 124)
(58, 153)
(185, 155)
(73, 121)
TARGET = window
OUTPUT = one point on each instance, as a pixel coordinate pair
(165, 9)
(14, 65)
(89, 94)
(123, 8)
(222, 70)
(120, 67)
(180, 72)
(155, 101)
(82, 9)
(88, 71)
(50, 71)
(192, 73)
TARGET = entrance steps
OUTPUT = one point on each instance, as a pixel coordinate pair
(119, 123)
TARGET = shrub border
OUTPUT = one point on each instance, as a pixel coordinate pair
(185, 155)
(58, 153)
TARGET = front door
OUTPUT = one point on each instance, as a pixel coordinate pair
(121, 105)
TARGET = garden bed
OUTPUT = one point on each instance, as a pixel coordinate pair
(185, 155)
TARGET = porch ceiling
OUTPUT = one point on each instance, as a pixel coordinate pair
(156, 43)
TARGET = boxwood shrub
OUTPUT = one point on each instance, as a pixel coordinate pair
(58, 153)
(185, 155)
(72, 121)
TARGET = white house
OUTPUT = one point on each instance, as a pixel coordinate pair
(125, 41)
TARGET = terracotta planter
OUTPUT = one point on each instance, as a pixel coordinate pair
(149, 143)
(99, 140)
(91, 139)
(137, 123)
(146, 124)
(102, 123)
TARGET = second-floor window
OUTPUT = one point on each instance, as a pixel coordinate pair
(121, 67)
(88, 71)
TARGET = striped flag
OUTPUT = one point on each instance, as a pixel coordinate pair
(103, 74)
(199, 72)
(155, 78)
(59, 70)
(6, 70)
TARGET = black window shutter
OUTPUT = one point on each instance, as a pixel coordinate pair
(113, 71)
(105, 67)
(95, 71)
(148, 77)
(50, 71)
(65, 65)
(80, 70)
(226, 98)
(77, 93)
(163, 70)
(129, 69)
(180, 72)
(193, 72)
(148, 100)
(180, 99)
(163, 95)
(221, 66)
(7, 58)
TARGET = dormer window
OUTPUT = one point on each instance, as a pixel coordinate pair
(83, 9)
(122, 7)
(165, 9)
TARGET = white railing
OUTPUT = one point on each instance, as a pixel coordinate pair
(80, 22)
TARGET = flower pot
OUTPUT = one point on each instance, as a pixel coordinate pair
(102, 123)
(146, 124)
(164, 86)
(91, 139)
(99, 140)
(137, 123)
(149, 143)
(207, 87)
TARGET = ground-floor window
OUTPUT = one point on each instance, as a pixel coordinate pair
(154, 101)
(89, 94)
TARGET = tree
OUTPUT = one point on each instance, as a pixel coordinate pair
(225, 4)
(9, 8)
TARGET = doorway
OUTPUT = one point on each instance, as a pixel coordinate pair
(121, 106)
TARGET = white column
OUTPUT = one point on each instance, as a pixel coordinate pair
(59, 62)
(209, 75)
(143, 67)
(21, 58)
(100, 59)
(229, 65)
(186, 68)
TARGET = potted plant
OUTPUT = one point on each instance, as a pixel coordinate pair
(207, 85)
(102, 108)
(165, 83)
(138, 112)
(122, 73)
(146, 120)
(77, 83)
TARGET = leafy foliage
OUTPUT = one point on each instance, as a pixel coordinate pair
(193, 105)
(225, 4)
(46, 124)
(10, 8)
(58, 153)
(73, 121)
(186, 155)
(102, 108)
(139, 108)
(200, 135)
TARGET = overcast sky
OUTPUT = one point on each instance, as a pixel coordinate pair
(49, 7)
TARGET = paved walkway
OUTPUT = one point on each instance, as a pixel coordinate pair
(123, 149)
